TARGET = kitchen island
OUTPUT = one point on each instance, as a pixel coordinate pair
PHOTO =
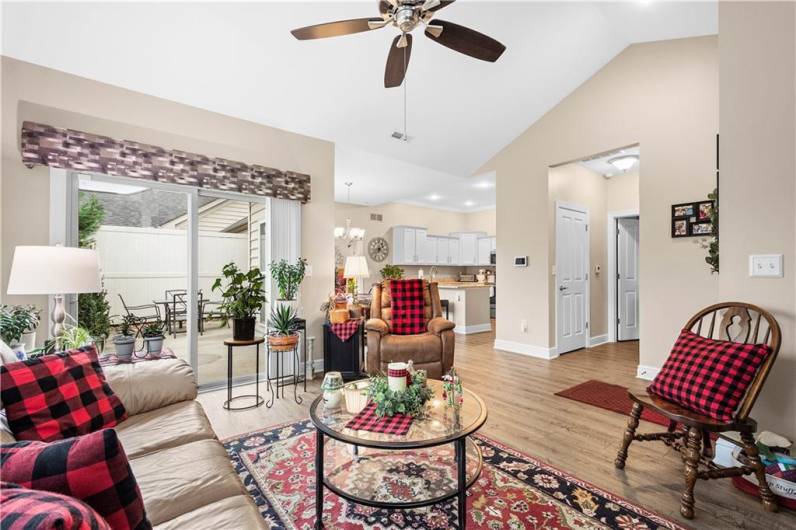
(469, 305)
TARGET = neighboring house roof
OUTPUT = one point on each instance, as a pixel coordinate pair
(148, 208)
(219, 215)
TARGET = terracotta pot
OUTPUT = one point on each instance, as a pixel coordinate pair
(283, 342)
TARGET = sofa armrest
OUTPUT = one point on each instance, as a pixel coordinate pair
(377, 325)
(439, 324)
(151, 385)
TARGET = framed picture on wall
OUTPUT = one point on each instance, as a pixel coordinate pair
(692, 219)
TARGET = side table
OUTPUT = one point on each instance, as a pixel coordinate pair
(230, 344)
(281, 380)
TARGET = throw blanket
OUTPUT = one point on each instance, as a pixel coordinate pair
(407, 307)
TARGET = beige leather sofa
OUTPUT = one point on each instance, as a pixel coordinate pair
(184, 472)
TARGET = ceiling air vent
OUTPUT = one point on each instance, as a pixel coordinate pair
(376, 217)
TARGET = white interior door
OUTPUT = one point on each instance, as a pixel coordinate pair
(627, 278)
(572, 277)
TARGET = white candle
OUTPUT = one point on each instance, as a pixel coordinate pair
(396, 376)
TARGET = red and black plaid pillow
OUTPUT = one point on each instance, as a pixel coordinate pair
(57, 396)
(408, 305)
(92, 468)
(26, 509)
(708, 376)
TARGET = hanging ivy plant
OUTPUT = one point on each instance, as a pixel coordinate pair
(712, 246)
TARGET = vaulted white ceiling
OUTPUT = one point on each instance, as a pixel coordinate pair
(240, 59)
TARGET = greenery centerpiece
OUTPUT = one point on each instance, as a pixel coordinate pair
(18, 325)
(243, 296)
(411, 401)
(288, 278)
(282, 335)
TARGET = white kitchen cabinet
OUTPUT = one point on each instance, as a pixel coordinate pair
(493, 244)
(453, 251)
(484, 249)
(443, 253)
(468, 247)
(409, 245)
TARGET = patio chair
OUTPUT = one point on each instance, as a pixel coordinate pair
(141, 314)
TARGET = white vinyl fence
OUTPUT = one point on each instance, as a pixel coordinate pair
(142, 263)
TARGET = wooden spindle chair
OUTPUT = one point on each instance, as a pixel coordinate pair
(739, 322)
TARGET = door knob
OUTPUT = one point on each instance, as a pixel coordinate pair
(563, 288)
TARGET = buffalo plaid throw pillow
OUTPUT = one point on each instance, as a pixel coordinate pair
(59, 395)
(708, 376)
(26, 509)
(367, 420)
(408, 317)
(92, 468)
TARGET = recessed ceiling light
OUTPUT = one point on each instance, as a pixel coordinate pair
(624, 162)
(469, 203)
(484, 184)
(434, 197)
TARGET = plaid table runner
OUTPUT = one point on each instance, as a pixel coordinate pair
(110, 359)
(345, 330)
(367, 420)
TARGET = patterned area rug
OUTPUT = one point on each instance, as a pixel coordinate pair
(514, 491)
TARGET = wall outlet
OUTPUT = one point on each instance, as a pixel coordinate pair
(524, 326)
(765, 265)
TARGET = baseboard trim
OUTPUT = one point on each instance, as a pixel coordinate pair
(598, 339)
(530, 350)
(647, 372)
(477, 328)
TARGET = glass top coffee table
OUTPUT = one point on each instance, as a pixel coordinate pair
(433, 462)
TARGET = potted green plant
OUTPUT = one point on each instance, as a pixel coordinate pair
(75, 337)
(153, 337)
(392, 272)
(243, 296)
(282, 335)
(288, 277)
(124, 342)
(18, 325)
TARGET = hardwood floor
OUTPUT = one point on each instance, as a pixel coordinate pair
(580, 439)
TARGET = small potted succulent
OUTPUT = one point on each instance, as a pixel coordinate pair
(282, 335)
(153, 337)
(18, 325)
(243, 297)
(124, 342)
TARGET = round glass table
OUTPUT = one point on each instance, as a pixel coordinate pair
(433, 462)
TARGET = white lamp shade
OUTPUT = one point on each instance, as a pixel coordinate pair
(54, 270)
(356, 267)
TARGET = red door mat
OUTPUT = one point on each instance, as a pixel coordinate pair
(609, 397)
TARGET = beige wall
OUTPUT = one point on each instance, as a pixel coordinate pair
(438, 222)
(578, 185)
(40, 94)
(661, 95)
(757, 50)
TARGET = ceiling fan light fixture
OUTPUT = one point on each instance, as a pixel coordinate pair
(430, 4)
(377, 23)
(624, 162)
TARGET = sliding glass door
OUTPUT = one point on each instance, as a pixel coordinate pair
(161, 248)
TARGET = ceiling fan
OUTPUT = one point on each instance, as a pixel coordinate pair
(406, 15)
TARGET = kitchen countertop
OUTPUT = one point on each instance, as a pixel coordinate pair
(464, 285)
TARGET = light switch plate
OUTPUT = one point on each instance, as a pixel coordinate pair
(765, 265)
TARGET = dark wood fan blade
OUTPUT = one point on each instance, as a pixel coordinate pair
(397, 62)
(335, 29)
(442, 4)
(467, 41)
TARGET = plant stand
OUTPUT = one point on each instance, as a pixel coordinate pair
(281, 380)
(230, 344)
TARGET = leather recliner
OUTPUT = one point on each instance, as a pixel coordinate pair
(431, 351)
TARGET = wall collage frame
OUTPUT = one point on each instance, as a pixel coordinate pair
(692, 219)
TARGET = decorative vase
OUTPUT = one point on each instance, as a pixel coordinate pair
(124, 345)
(243, 328)
(332, 388)
(29, 340)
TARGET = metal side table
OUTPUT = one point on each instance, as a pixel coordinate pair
(230, 344)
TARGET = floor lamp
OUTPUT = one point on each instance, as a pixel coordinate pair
(57, 271)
